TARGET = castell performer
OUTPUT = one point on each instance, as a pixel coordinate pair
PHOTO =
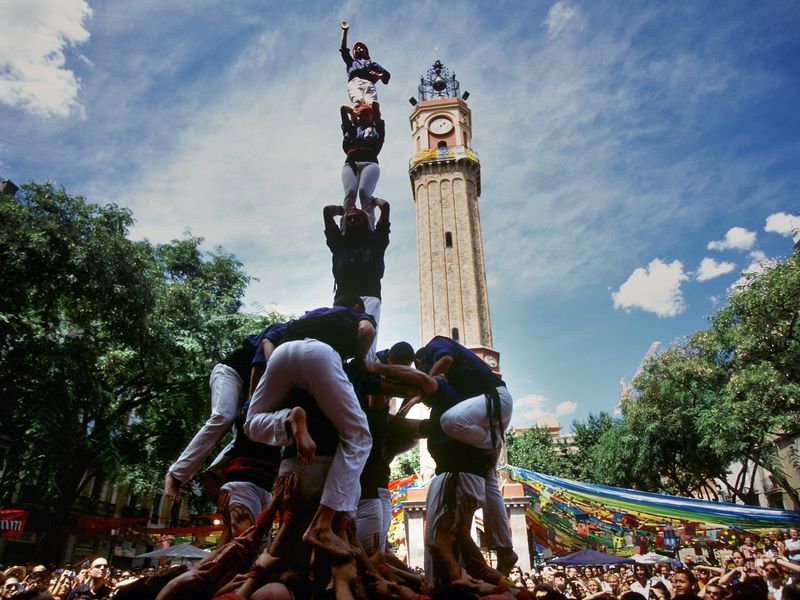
(362, 72)
(363, 133)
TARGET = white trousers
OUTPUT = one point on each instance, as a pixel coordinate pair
(386, 504)
(468, 422)
(226, 385)
(362, 90)
(372, 306)
(470, 495)
(360, 184)
(369, 523)
(316, 368)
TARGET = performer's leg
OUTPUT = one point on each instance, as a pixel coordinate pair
(372, 306)
(226, 385)
(367, 182)
(266, 420)
(386, 523)
(350, 186)
(468, 421)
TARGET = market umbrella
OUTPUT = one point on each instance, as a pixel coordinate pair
(651, 558)
(585, 558)
(179, 551)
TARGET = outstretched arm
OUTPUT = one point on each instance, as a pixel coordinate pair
(345, 27)
(383, 205)
(407, 375)
(364, 337)
(257, 370)
(441, 366)
(329, 212)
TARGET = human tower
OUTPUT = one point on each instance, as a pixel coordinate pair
(313, 433)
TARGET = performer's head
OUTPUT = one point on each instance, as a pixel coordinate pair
(360, 50)
(402, 353)
(357, 223)
(350, 301)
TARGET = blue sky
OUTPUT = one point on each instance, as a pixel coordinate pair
(636, 157)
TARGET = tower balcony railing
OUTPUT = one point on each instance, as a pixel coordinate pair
(444, 153)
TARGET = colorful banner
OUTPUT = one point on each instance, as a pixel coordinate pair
(566, 515)
(398, 488)
(12, 523)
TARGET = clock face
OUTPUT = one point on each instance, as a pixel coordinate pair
(491, 361)
(441, 125)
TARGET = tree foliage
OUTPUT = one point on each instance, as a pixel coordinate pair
(534, 449)
(723, 398)
(105, 344)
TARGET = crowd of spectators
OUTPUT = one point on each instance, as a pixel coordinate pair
(760, 569)
(90, 579)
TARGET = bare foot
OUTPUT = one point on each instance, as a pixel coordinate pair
(465, 581)
(172, 487)
(305, 445)
(442, 546)
(506, 558)
(329, 542)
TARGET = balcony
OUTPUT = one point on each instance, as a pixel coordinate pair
(445, 153)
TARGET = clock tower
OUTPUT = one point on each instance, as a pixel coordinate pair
(446, 180)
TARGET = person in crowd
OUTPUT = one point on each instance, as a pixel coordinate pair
(362, 72)
(659, 590)
(738, 573)
(358, 256)
(12, 585)
(62, 585)
(95, 588)
(38, 578)
(641, 583)
(363, 134)
(792, 546)
(748, 548)
(684, 583)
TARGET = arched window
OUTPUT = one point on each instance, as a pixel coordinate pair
(454, 333)
(448, 239)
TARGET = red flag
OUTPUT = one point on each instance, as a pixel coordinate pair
(12, 522)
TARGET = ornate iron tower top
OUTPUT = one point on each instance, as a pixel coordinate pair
(438, 82)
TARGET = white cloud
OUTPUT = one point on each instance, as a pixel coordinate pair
(710, 268)
(783, 223)
(534, 409)
(34, 76)
(656, 289)
(560, 16)
(737, 238)
(566, 408)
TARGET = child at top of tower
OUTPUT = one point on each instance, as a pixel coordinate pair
(362, 72)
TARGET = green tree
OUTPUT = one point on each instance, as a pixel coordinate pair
(105, 347)
(586, 436)
(535, 450)
(406, 463)
(725, 397)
